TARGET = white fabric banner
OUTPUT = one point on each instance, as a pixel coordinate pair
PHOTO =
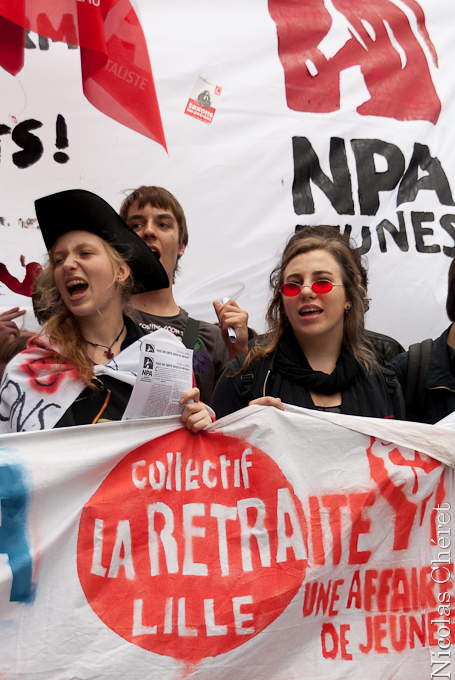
(327, 112)
(273, 545)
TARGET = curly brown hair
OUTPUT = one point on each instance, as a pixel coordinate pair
(353, 328)
(60, 325)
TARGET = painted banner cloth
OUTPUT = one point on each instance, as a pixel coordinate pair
(273, 545)
(116, 72)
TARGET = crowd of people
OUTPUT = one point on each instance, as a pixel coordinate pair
(109, 282)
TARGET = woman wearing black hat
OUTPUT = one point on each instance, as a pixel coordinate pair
(82, 368)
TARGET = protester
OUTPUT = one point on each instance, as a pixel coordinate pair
(315, 354)
(158, 218)
(426, 371)
(12, 346)
(385, 348)
(8, 328)
(82, 368)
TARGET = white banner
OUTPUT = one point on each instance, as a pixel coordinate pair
(326, 112)
(273, 545)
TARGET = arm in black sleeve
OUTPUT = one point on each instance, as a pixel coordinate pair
(229, 394)
(400, 367)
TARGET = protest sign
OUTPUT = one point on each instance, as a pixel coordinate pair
(330, 113)
(278, 545)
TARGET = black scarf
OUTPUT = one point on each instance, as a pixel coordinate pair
(292, 364)
(289, 376)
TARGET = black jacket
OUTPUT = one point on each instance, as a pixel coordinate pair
(385, 347)
(369, 393)
(440, 383)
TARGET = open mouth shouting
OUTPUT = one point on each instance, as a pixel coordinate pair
(155, 251)
(310, 311)
(76, 288)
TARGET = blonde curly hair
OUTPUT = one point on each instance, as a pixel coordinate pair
(60, 325)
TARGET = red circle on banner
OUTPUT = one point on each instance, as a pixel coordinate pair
(192, 545)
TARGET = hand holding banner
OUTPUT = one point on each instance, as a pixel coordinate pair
(274, 544)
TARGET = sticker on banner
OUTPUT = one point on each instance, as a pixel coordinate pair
(192, 545)
(203, 100)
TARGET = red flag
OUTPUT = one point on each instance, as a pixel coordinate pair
(116, 72)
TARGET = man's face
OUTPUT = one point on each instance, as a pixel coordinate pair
(159, 230)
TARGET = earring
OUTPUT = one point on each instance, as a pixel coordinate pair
(347, 307)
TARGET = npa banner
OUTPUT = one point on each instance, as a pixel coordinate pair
(273, 545)
(276, 113)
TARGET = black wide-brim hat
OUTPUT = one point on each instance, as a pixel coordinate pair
(80, 210)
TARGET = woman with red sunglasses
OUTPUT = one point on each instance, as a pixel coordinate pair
(315, 354)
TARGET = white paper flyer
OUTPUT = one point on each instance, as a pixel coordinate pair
(165, 373)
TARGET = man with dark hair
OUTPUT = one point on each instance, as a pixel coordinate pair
(426, 371)
(158, 218)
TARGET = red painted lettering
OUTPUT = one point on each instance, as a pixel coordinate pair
(333, 503)
(366, 648)
(400, 595)
(384, 589)
(328, 629)
(344, 642)
(335, 597)
(323, 597)
(379, 633)
(316, 531)
(398, 643)
(370, 588)
(355, 592)
(310, 597)
(360, 525)
(416, 631)
(427, 584)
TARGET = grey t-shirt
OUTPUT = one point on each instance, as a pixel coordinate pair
(210, 352)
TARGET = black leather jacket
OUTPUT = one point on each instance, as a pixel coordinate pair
(385, 347)
(439, 385)
(370, 394)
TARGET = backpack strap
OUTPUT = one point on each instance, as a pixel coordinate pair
(191, 332)
(419, 355)
(189, 339)
(247, 380)
(390, 379)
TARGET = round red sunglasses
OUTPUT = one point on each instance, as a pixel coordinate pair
(319, 287)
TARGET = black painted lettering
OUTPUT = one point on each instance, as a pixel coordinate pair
(29, 44)
(419, 232)
(398, 235)
(307, 166)
(371, 182)
(366, 241)
(42, 42)
(447, 222)
(61, 141)
(435, 180)
(31, 145)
